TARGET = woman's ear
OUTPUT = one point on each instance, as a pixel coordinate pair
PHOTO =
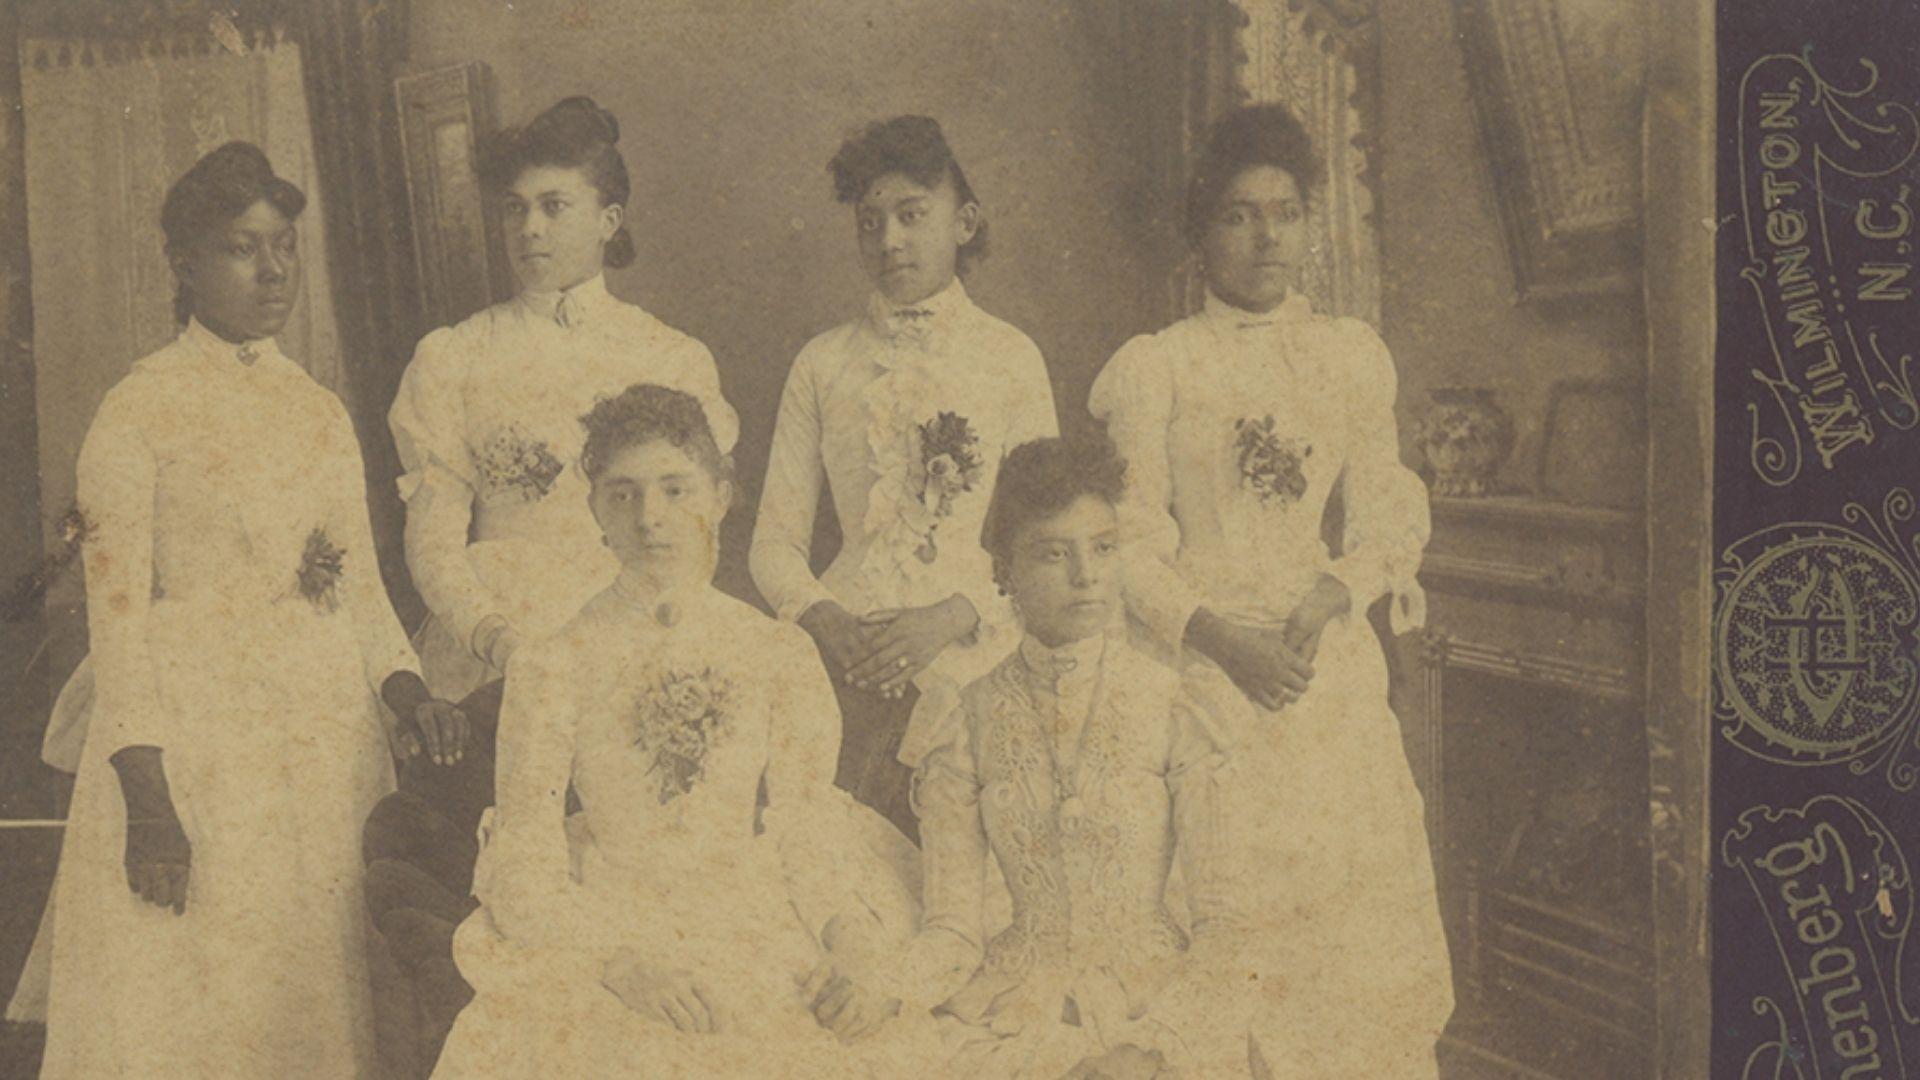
(966, 222)
(612, 216)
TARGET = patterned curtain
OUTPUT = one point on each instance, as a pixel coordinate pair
(111, 122)
(1316, 57)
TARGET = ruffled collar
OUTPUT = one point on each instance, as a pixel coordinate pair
(211, 345)
(917, 323)
(1227, 318)
(1066, 665)
(568, 307)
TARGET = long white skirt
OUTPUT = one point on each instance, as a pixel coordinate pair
(1327, 849)
(545, 1012)
(277, 758)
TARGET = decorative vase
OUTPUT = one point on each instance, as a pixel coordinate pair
(1466, 437)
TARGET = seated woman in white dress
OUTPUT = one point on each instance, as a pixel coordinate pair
(677, 937)
(1074, 768)
(1238, 423)
(209, 919)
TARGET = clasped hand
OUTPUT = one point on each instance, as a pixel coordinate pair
(883, 650)
(670, 995)
(426, 723)
(842, 1005)
(1271, 665)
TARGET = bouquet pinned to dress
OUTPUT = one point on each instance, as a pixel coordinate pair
(321, 564)
(677, 722)
(950, 466)
(1272, 466)
(513, 461)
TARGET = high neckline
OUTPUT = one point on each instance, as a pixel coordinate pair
(1227, 316)
(1075, 659)
(921, 318)
(245, 354)
(572, 306)
(665, 604)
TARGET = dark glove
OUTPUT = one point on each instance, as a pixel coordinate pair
(158, 857)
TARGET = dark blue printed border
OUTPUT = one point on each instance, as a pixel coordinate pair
(1816, 685)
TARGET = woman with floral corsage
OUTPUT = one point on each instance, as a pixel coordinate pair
(210, 917)
(1239, 423)
(903, 413)
(669, 928)
(1077, 771)
(499, 538)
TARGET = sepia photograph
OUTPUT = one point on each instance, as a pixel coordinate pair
(1041, 539)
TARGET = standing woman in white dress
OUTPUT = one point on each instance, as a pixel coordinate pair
(209, 891)
(903, 414)
(499, 538)
(1238, 423)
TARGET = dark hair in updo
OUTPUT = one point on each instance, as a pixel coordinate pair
(643, 413)
(219, 188)
(576, 133)
(1247, 137)
(914, 147)
(1040, 479)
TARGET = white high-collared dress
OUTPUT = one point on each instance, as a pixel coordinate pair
(857, 402)
(208, 476)
(487, 422)
(666, 713)
(1237, 429)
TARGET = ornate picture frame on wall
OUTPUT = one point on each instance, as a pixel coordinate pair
(446, 116)
(1557, 88)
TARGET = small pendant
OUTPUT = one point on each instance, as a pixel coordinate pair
(926, 552)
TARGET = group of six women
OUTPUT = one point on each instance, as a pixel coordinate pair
(1119, 688)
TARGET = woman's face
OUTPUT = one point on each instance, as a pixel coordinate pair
(242, 278)
(661, 511)
(1256, 242)
(1064, 572)
(557, 229)
(911, 235)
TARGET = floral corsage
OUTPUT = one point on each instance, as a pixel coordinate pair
(678, 721)
(320, 566)
(1272, 467)
(513, 461)
(950, 465)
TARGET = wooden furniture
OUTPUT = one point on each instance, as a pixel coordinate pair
(1530, 698)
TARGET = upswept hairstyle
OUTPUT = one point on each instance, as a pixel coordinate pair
(1041, 478)
(219, 188)
(914, 147)
(642, 413)
(576, 133)
(1249, 136)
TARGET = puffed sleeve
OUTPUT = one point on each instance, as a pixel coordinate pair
(807, 818)
(783, 529)
(700, 376)
(384, 648)
(1134, 394)
(525, 873)
(439, 484)
(116, 492)
(1387, 523)
(953, 868)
